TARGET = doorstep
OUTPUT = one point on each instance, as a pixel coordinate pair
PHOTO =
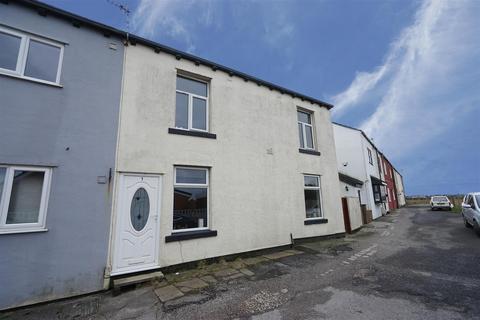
(129, 280)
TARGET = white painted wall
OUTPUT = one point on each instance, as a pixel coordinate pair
(351, 192)
(400, 189)
(351, 148)
(255, 199)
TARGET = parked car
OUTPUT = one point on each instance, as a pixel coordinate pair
(440, 202)
(471, 211)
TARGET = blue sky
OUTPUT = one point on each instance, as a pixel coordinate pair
(406, 72)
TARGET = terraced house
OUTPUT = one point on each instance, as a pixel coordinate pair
(369, 184)
(60, 83)
(205, 161)
(212, 162)
(359, 169)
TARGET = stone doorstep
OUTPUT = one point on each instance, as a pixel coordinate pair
(131, 280)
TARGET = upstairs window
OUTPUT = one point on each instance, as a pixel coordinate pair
(370, 159)
(305, 129)
(30, 57)
(191, 104)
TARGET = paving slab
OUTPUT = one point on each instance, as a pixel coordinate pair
(234, 276)
(279, 254)
(237, 264)
(191, 284)
(225, 272)
(294, 251)
(209, 279)
(168, 293)
(247, 272)
(254, 260)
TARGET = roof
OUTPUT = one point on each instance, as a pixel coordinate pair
(350, 180)
(78, 21)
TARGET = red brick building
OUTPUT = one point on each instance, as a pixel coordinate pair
(389, 176)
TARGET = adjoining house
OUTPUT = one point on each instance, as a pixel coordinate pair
(358, 160)
(366, 176)
(205, 161)
(60, 86)
(399, 187)
(227, 163)
(389, 179)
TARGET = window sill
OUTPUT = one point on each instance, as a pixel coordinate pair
(188, 235)
(307, 151)
(315, 221)
(47, 83)
(13, 231)
(192, 133)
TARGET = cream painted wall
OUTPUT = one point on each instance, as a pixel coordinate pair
(255, 199)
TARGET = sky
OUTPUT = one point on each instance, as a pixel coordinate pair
(405, 72)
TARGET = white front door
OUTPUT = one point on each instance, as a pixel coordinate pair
(137, 224)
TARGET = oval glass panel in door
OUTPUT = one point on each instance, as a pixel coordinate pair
(140, 209)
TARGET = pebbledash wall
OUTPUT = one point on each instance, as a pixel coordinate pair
(256, 172)
(69, 130)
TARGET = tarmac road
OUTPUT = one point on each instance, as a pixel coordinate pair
(411, 264)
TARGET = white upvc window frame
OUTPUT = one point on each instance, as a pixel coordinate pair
(303, 143)
(193, 185)
(319, 188)
(40, 225)
(370, 156)
(190, 104)
(19, 71)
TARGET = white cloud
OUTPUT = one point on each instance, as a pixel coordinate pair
(278, 25)
(425, 81)
(153, 17)
(182, 19)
